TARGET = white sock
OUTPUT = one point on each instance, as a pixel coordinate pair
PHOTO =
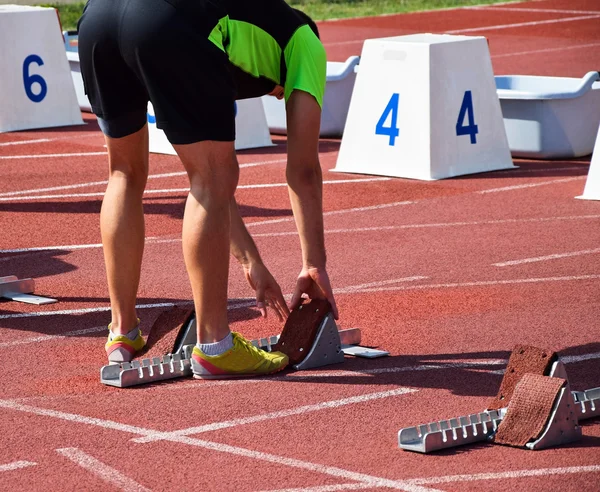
(132, 335)
(217, 348)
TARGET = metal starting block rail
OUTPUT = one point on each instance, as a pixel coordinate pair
(329, 347)
(562, 426)
(21, 290)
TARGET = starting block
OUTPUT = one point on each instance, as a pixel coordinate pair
(310, 338)
(21, 290)
(424, 106)
(251, 128)
(37, 89)
(592, 183)
(540, 410)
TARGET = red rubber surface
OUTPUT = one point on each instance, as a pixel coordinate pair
(419, 279)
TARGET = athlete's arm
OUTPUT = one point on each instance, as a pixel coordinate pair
(258, 276)
(305, 185)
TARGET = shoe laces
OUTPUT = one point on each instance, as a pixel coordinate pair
(248, 347)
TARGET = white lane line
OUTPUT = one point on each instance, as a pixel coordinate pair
(540, 472)
(525, 24)
(221, 448)
(152, 240)
(547, 257)
(44, 156)
(183, 190)
(101, 470)
(484, 283)
(105, 182)
(24, 142)
(548, 50)
(333, 212)
(390, 288)
(530, 185)
(45, 338)
(493, 8)
(16, 465)
(475, 29)
(280, 414)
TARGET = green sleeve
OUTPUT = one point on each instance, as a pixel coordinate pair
(306, 63)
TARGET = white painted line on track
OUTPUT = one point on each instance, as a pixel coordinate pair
(279, 414)
(50, 156)
(105, 182)
(45, 338)
(530, 185)
(513, 474)
(547, 257)
(24, 142)
(153, 240)
(389, 288)
(541, 472)
(221, 448)
(101, 470)
(334, 212)
(476, 29)
(182, 190)
(548, 50)
(16, 465)
(493, 8)
(524, 24)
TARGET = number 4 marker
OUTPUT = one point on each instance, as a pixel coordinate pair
(466, 109)
(391, 131)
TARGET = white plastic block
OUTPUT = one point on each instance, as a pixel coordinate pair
(336, 101)
(424, 106)
(250, 127)
(36, 88)
(74, 65)
(592, 184)
(550, 117)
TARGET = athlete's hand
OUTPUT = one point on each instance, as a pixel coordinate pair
(268, 292)
(314, 282)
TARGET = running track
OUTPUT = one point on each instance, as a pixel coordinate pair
(448, 276)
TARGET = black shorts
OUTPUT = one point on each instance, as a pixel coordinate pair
(135, 51)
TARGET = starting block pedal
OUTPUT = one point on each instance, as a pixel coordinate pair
(21, 290)
(534, 409)
(144, 371)
(310, 338)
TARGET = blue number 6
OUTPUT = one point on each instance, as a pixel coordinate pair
(29, 80)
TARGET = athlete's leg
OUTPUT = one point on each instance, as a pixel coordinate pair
(122, 224)
(213, 173)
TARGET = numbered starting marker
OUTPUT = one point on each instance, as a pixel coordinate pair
(424, 106)
(592, 184)
(37, 90)
(250, 128)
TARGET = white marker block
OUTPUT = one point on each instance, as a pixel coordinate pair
(592, 184)
(36, 89)
(250, 128)
(424, 106)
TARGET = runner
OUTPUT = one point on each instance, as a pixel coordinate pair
(190, 58)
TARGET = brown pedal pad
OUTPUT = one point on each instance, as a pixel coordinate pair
(301, 328)
(540, 414)
(523, 359)
(166, 331)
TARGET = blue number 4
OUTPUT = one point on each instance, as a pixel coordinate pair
(391, 131)
(466, 109)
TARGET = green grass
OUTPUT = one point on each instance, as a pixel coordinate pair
(317, 9)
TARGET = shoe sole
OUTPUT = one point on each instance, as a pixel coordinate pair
(238, 376)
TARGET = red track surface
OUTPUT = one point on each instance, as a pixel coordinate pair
(463, 310)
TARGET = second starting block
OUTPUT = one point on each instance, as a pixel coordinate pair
(21, 290)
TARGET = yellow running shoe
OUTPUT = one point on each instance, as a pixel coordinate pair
(121, 348)
(242, 360)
